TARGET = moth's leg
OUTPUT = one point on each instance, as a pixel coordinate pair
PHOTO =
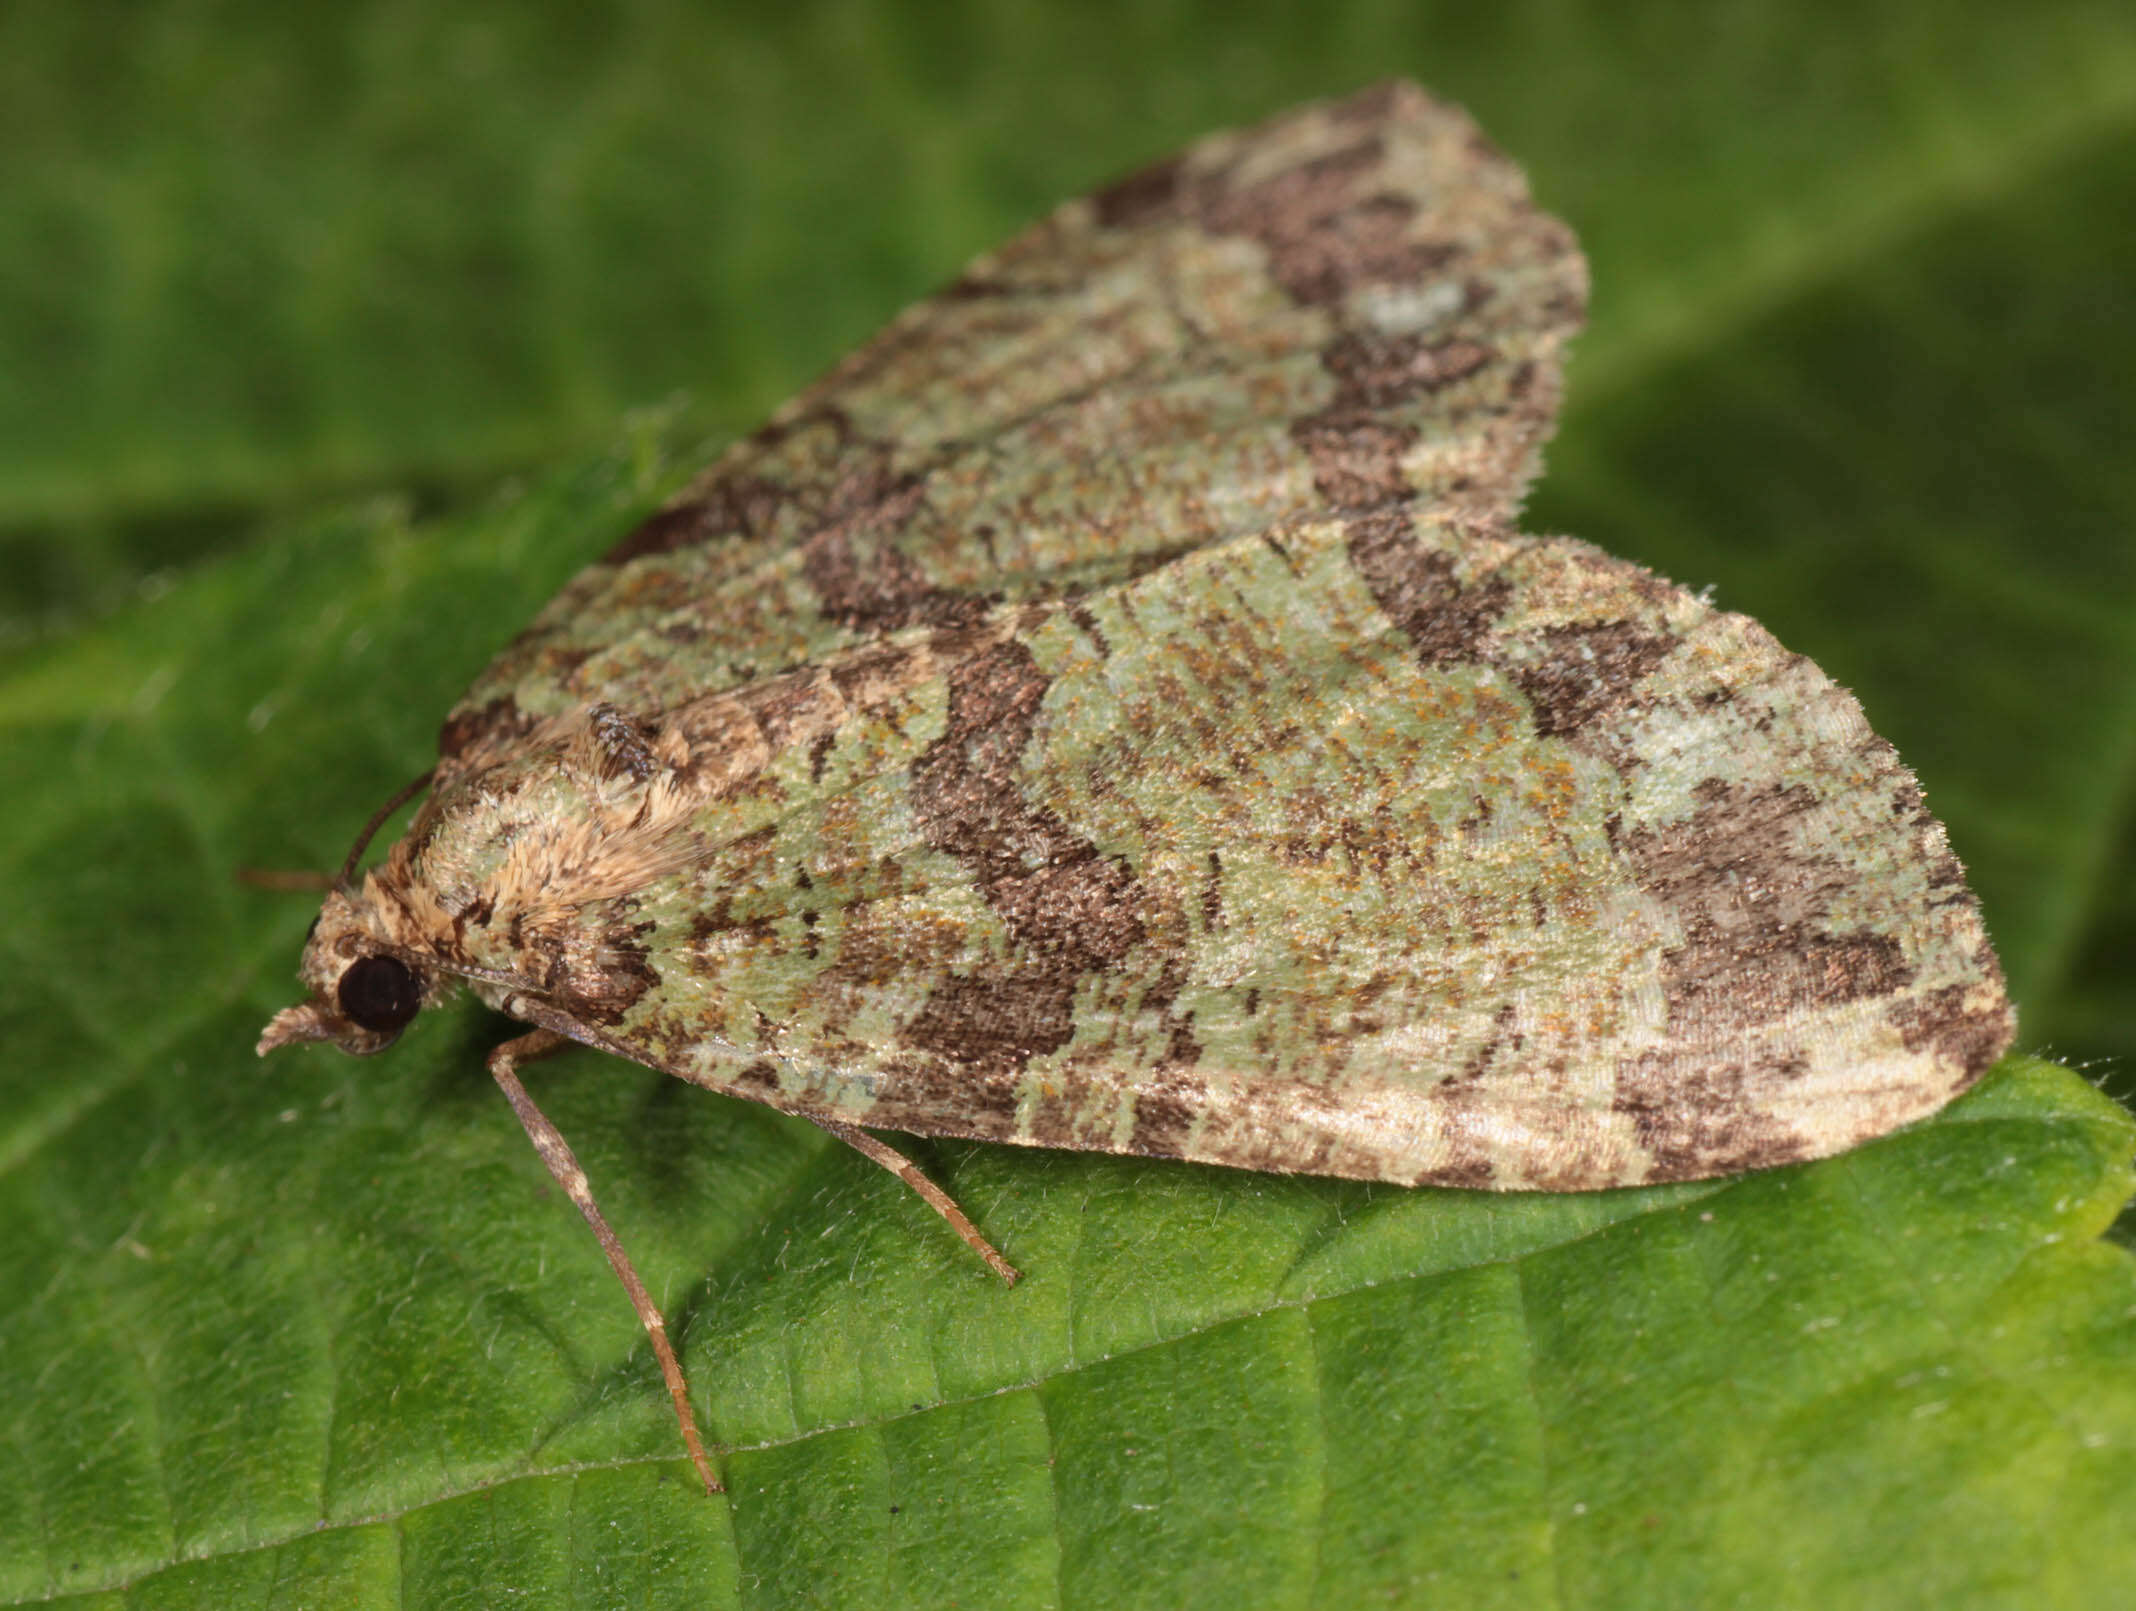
(930, 1194)
(557, 1155)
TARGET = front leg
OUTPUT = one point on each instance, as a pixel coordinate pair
(556, 1153)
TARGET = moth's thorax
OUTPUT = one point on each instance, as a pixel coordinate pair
(519, 873)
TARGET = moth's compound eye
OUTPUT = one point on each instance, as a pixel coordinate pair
(379, 994)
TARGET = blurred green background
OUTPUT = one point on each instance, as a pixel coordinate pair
(319, 333)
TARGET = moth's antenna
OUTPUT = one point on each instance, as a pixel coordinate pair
(401, 796)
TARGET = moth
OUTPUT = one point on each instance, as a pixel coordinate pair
(1113, 709)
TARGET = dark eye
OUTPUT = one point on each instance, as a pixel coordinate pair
(379, 994)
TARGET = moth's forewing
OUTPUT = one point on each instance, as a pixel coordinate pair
(1112, 710)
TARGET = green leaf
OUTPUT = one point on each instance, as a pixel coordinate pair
(324, 1320)
(320, 1332)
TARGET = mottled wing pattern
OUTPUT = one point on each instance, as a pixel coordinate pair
(1113, 713)
(1356, 305)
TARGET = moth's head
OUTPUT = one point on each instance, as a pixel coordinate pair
(364, 989)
